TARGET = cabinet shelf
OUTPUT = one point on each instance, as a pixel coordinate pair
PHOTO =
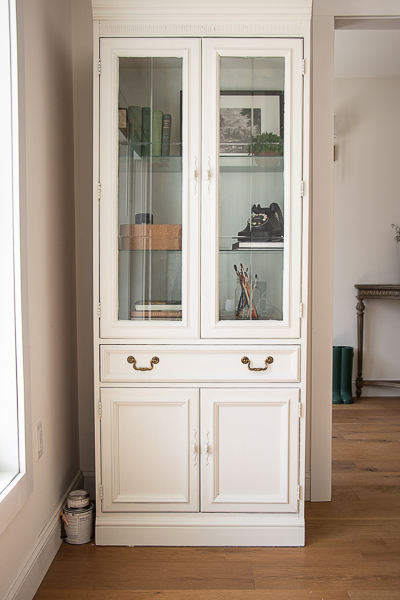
(228, 164)
(269, 247)
(159, 164)
(254, 164)
(136, 250)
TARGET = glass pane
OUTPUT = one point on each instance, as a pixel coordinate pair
(150, 189)
(251, 194)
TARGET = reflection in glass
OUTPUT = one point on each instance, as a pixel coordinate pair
(150, 189)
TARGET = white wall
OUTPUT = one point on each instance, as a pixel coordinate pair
(49, 283)
(366, 203)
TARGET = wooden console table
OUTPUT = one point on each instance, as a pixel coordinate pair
(370, 292)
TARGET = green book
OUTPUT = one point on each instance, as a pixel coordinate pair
(135, 128)
(156, 133)
(146, 124)
(166, 135)
(151, 132)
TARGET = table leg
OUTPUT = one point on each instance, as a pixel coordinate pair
(360, 345)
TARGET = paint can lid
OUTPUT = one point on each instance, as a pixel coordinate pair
(78, 499)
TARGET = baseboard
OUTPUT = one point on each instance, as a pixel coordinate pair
(36, 564)
(308, 487)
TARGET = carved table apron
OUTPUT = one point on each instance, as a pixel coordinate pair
(369, 292)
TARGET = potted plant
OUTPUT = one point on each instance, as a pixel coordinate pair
(266, 144)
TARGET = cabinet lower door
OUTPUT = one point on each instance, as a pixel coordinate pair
(149, 449)
(250, 450)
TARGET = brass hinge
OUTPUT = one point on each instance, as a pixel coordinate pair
(99, 190)
(100, 410)
(299, 410)
(101, 491)
(303, 67)
(298, 492)
(99, 66)
(99, 310)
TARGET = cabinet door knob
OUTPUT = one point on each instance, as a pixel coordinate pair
(206, 447)
(132, 361)
(209, 175)
(195, 175)
(268, 361)
(193, 447)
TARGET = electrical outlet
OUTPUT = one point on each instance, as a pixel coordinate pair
(39, 440)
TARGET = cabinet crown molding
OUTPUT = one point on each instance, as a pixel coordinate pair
(172, 27)
(158, 9)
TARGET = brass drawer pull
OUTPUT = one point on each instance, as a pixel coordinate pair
(268, 361)
(132, 361)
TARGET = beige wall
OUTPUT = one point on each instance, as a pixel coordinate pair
(366, 203)
(49, 284)
(82, 45)
(324, 13)
(320, 433)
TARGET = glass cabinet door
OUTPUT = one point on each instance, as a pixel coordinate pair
(149, 241)
(251, 280)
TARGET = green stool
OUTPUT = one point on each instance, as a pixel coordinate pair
(342, 375)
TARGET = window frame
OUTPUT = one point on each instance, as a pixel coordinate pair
(16, 493)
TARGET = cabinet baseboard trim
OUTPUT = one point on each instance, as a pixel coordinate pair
(260, 534)
(36, 563)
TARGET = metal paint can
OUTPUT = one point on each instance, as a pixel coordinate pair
(78, 523)
(78, 499)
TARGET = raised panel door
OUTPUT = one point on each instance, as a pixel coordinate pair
(149, 450)
(250, 450)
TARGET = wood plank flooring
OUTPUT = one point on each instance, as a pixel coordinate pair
(352, 550)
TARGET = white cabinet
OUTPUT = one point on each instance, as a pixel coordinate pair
(201, 242)
(245, 445)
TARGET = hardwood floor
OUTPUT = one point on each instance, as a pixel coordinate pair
(352, 550)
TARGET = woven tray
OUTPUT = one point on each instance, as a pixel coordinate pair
(151, 237)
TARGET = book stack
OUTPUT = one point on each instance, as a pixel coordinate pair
(149, 131)
(157, 309)
(123, 121)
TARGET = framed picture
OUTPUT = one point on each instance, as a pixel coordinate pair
(247, 114)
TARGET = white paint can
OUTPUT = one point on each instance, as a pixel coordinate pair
(78, 499)
(78, 523)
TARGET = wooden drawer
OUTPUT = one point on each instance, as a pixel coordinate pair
(197, 364)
